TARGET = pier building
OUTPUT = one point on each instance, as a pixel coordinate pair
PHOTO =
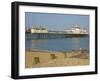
(77, 30)
(41, 32)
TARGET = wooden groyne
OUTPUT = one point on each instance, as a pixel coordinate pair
(40, 58)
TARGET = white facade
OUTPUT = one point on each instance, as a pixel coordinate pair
(39, 30)
(77, 30)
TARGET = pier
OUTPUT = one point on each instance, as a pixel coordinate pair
(43, 33)
(52, 35)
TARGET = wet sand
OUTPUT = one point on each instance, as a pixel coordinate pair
(39, 58)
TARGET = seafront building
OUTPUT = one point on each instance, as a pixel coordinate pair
(36, 29)
(39, 32)
(75, 30)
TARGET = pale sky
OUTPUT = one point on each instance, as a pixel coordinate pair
(53, 21)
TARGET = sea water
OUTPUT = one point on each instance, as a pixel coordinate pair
(58, 44)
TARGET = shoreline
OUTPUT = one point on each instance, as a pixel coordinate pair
(72, 50)
(44, 58)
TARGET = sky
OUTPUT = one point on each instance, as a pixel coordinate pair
(53, 21)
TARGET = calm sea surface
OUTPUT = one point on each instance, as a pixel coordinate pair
(61, 44)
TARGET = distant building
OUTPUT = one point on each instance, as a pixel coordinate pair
(77, 30)
(39, 30)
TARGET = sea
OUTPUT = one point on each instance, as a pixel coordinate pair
(58, 44)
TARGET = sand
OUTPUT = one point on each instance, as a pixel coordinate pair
(39, 58)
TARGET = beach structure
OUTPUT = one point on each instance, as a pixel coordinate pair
(76, 30)
(41, 32)
(42, 58)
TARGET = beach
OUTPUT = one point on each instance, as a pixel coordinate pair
(45, 58)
